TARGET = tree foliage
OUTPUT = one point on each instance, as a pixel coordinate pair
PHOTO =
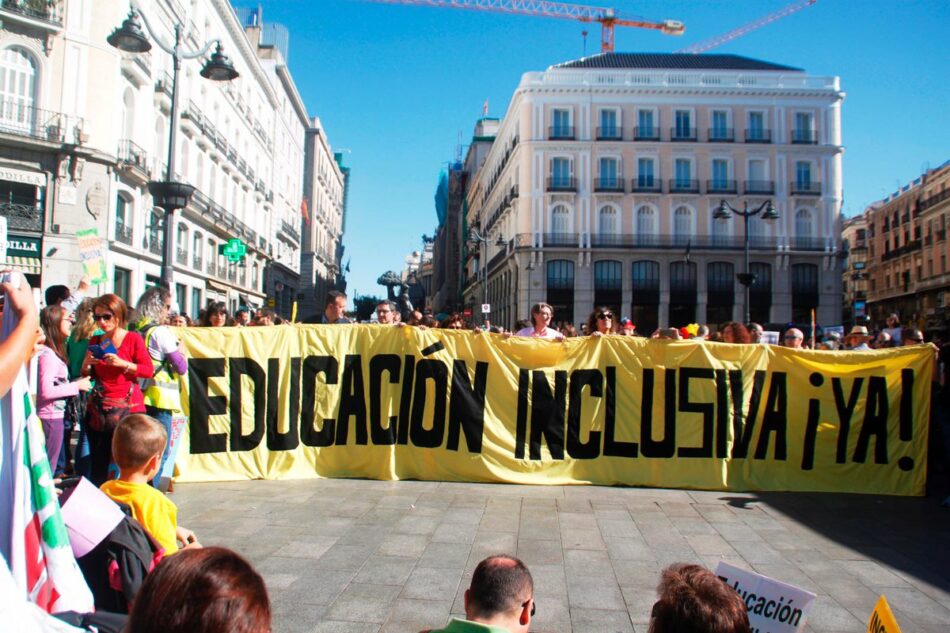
(365, 305)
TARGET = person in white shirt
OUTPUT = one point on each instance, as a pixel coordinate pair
(541, 315)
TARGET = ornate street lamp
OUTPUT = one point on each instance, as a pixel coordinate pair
(477, 239)
(724, 212)
(168, 194)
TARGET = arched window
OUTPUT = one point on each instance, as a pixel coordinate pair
(646, 226)
(196, 248)
(184, 164)
(758, 235)
(645, 280)
(160, 154)
(18, 90)
(560, 225)
(181, 241)
(560, 282)
(721, 232)
(255, 277)
(682, 225)
(155, 237)
(804, 229)
(608, 225)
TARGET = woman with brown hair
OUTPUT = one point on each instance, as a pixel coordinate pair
(692, 599)
(602, 321)
(453, 322)
(53, 387)
(207, 590)
(116, 359)
(734, 332)
(215, 315)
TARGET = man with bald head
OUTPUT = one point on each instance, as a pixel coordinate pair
(499, 600)
(794, 338)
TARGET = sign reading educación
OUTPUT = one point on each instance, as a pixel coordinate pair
(403, 403)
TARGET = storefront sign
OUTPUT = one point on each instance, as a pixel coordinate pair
(11, 174)
(23, 245)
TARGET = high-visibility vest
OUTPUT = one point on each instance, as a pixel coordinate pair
(161, 390)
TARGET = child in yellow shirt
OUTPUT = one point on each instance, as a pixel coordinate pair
(137, 448)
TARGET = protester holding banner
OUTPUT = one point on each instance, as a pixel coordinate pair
(160, 390)
(541, 315)
(734, 332)
(53, 387)
(16, 348)
(116, 360)
(602, 321)
(215, 315)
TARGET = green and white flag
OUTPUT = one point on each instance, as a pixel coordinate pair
(33, 537)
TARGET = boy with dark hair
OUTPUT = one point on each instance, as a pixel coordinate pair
(137, 447)
(499, 600)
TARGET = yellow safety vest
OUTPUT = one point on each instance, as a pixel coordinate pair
(161, 390)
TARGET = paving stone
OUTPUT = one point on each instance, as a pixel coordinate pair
(431, 583)
(582, 539)
(451, 555)
(385, 570)
(410, 545)
(579, 562)
(600, 621)
(363, 603)
(591, 592)
(627, 549)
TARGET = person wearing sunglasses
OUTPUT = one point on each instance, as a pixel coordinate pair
(602, 321)
(499, 600)
(116, 359)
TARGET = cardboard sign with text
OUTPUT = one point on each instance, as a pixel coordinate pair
(882, 620)
(92, 255)
(774, 606)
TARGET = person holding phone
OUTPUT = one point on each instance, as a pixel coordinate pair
(115, 359)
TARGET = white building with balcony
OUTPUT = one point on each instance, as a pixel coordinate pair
(604, 174)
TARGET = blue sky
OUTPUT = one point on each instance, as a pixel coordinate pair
(395, 85)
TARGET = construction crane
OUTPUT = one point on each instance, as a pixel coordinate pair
(607, 18)
(713, 42)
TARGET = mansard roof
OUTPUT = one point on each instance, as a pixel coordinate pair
(672, 61)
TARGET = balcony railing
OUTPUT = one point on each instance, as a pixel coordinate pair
(682, 134)
(646, 185)
(758, 136)
(49, 12)
(806, 188)
(561, 239)
(211, 269)
(700, 242)
(609, 184)
(646, 133)
(562, 184)
(805, 137)
(22, 213)
(758, 187)
(909, 247)
(609, 134)
(133, 155)
(561, 133)
(196, 262)
(721, 186)
(682, 185)
(721, 135)
(25, 120)
(934, 199)
(181, 256)
(155, 245)
(807, 243)
(123, 233)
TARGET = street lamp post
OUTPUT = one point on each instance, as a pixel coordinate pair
(478, 239)
(168, 194)
(724, 212)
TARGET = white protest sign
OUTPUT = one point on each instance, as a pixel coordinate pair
(774, 606)
(769, 337)
(486, 308)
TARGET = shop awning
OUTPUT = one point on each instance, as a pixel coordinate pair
(217, 287)
(26, 265)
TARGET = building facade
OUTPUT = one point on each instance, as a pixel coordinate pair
(854, 278)
(84, 127)
(907, 254)
(601, 182)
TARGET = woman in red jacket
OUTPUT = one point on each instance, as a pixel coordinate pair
(116, 360)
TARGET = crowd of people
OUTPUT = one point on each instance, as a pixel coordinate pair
(113, 372)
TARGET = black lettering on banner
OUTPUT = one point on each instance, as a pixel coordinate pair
(744, 424)
(405, 399)
(312, 367)
(707, 409)
(547, 414)
(722, 414)
(436, 371)
(277, 441)
(390, 364)
(665, 447)
(845, 411)
(775, 419)
(238, 367)
(875, 422)
(352, 402)
(467, 406)
(612, 447)
(201, 406)
(521, 423)
(906, 432)
(811, 434)
(581, 378)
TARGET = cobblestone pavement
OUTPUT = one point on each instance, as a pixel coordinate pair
(356, 555)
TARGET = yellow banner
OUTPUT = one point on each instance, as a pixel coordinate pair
(402, 403)
(882, 620)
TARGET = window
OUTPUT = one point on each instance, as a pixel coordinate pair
(646, 125)
(804, 230)
(803, 175)
(560, 220)
(609, 128)
(122, 282)
(804, 131)
(804, 291)
(646, 295)
(682, 226)
(755, 130)
(128, 114)
(196, 248)
(608, 284)
(719, 128)
(181, 295)
(720, 232)
(123, 219)
(561, 173)
(720, 291)
(682, 173)
(561, 124)
(560, 289)
(646, 226)
(155, 237)
(195, 303)
(720, 174)
(609, 174)
(684, 127)
(682, 293)
(18, 91)
(645, 173)
(607, 224)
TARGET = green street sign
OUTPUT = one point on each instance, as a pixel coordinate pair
(234, 250)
